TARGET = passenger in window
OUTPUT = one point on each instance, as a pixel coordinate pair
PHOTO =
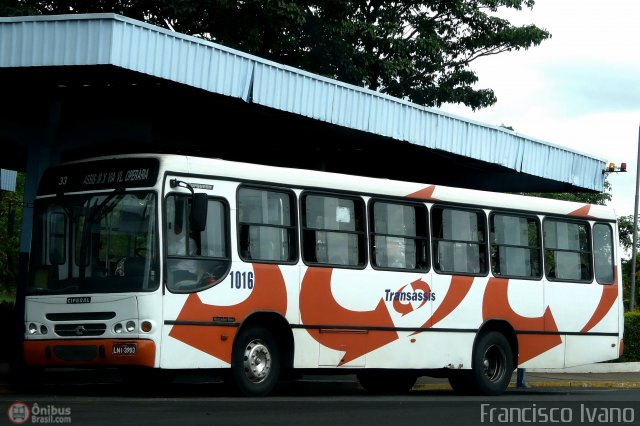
(182, 272)
(178, 243)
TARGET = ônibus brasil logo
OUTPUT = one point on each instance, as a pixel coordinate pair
(19, 413)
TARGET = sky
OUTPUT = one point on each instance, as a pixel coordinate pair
(579, 89)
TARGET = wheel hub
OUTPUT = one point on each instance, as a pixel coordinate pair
(257, 361)
(494, 363)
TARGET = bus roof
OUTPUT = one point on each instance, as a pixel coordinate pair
(312, 179)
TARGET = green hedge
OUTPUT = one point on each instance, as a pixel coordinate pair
(631, 337)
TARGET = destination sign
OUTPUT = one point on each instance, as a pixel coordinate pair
(100, 174)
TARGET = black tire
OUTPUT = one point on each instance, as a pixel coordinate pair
(492, 364)
(491, 369)
(255, 362)
(391, 382)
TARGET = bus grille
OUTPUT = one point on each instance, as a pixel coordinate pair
(80, 316)
(80, 330)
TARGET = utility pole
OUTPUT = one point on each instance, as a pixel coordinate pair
(632, 296)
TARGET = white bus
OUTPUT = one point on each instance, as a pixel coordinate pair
(174, 262)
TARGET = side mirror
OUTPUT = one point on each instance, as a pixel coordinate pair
(198, 219)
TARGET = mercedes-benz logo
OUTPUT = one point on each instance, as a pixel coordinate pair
(80, 330)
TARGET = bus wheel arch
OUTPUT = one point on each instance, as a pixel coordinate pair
(262, 349)
(494, 357)
(506, 329)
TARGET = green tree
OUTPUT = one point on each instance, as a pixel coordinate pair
(10, 223)
(600, 198)
(625, 231)
(420, 51)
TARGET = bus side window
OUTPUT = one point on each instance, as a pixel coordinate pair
(515, 246)
(333, 230)
(459, 241)
(398, 236)
(567, 250)
(266, 223)
(603, 253)
(196, 260)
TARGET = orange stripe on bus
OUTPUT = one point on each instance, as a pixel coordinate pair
(495, 305)
(425, 193)
(50, 353)
(268, 294)
(607, 299)
(318, 306)
(581, 212)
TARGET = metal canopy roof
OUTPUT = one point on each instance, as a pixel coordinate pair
(109, 40)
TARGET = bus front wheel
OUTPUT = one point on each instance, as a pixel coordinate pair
(256, 362)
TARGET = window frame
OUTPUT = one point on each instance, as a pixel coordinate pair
(590, 245)
(540, 248)
(360, 235)
(612, 230)
(165, 243)
(424, 239)
(483, 245)
(291, 229)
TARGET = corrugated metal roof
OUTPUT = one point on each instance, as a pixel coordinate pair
(109, 39)
(8, 179)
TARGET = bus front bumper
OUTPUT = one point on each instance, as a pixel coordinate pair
(90, 352)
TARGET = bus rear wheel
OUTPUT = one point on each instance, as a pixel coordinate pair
(493, 363)
(491, 369)
(256, 362)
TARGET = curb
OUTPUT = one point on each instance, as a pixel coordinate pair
(548, 384)
(584, 384)
(604, 367)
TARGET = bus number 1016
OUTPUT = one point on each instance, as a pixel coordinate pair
(241, 279)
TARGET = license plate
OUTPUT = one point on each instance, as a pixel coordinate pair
(124, 349)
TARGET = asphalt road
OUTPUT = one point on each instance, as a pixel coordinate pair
(316, 401)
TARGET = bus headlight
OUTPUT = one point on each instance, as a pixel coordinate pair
(126, 326)
(33, 329)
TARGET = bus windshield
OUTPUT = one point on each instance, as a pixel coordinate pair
(94, 243)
